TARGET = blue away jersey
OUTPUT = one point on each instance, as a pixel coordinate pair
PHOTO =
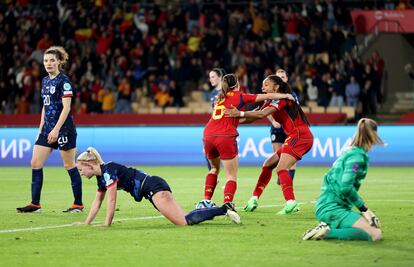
(213, 96)
(127, 179)
(53, 90)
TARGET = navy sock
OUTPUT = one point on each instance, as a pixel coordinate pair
(37, 182)
(292, 174)
(208, 164)
(200, 215)
(76, 185)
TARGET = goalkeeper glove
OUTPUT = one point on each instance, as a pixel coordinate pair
(371, 218)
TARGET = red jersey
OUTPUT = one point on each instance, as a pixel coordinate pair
(293, 127)
(221, 125)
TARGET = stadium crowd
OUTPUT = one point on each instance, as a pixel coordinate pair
(121, 51)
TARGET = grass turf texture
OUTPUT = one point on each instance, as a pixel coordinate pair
(264, 238)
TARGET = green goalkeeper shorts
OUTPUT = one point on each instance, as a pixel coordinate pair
(339, 218)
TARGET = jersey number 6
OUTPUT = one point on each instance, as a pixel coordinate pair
(218, 112)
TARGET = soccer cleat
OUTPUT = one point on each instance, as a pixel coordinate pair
(232, 213)
(251, 204)
(74, 208)
(205, 204)
(290, 208)
(29, 208)
(317, 233)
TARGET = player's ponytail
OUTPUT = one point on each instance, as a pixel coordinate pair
(60, 54)
(366, 135)
(91, 154)
(228, 83)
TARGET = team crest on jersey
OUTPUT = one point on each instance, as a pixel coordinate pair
(107, 178)
(66, 86)
(275, 103)
(52, 89)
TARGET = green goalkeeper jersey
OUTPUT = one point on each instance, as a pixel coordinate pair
(342, 182)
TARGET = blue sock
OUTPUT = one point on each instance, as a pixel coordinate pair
(37, 182)
(200, 215)
(292, 174)
(76, 185)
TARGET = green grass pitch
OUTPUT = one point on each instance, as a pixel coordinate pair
(264, 238)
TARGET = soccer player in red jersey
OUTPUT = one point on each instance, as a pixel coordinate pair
(278, 137)
(299, 141)
(220, 134)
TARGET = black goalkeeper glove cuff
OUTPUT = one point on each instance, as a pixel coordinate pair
(363, 208)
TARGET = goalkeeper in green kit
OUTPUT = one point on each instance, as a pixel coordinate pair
(339, 193)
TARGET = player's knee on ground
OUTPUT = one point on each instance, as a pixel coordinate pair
(376, 234)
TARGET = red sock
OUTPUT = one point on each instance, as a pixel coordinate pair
(229, 191)
(286, 184)
(210, 185)
(264, 179)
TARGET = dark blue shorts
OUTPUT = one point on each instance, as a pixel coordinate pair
(65, 141)
(153, 185)
(277, 135)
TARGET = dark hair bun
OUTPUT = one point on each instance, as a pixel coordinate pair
(231, 80)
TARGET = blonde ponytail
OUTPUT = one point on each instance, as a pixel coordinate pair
(366, 135)
(91, 154)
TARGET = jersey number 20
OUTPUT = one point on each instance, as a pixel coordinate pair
(46, 100)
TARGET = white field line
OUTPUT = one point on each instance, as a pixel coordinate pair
(159, 217)
(69, 225)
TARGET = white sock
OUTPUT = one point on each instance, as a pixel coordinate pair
(290, 201)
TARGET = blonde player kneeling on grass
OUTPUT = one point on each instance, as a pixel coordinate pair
(340, 193)
(112, 176)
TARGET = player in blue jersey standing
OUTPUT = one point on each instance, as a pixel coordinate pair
(278, 137)
(112, 176)
(215, 76)
(56, 131)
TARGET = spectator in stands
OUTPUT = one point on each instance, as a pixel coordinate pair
(107, 98)
(311, 90)
(338, 92)
(123, 104)
(160, 42)
(368, 93)
(93, 105)
(352, 91)
(23, 107)
(162, 97)
(35, 98)
(324, 90)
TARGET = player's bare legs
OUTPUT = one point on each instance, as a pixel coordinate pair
(166, 204)
(39, 156)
